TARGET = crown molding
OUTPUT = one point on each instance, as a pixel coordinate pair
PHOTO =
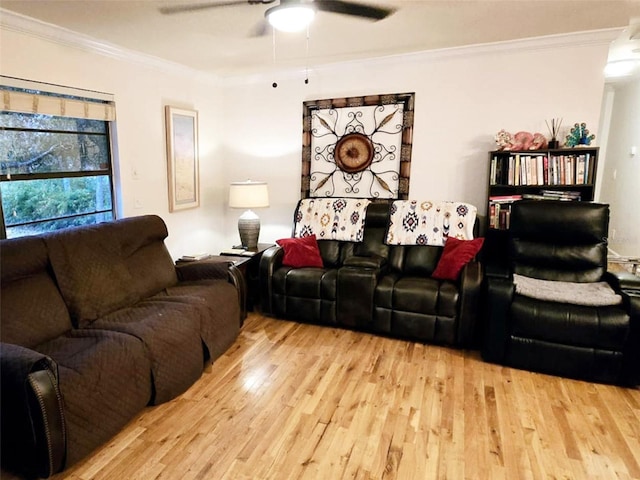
(548, 42)
(29, 26)
(53, 33)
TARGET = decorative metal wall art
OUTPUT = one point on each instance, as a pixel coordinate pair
(357, 147)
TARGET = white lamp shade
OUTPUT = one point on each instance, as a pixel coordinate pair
(290, 18)
(248, 195)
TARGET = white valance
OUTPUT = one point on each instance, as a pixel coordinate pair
(85, 106)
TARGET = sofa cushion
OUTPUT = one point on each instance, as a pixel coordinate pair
(456, 254)
(577, 252)
(420, 260)
(331, 252)
(170, 331)
(32, 309)
(220, 313)
(578, 325)
(417, 294)
(301, 252)
(101, 268)
(145, 254)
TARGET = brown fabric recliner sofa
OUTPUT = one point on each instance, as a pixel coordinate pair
(96, 324)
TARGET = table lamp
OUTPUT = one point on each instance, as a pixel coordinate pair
(249, 195)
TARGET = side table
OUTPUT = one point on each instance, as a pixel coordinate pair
(248, 264)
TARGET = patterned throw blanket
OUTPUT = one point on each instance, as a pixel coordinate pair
(596, 294)
(331, 218)
(429, 223)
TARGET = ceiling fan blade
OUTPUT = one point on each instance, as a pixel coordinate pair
(355, 9)
(260, 29)
(193, 7)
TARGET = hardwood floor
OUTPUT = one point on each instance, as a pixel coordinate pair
(290, 401)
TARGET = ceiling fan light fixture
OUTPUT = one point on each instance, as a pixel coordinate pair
(290, 18)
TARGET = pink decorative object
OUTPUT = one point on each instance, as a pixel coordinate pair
(503, 140)
(522, 141)
(539, 142)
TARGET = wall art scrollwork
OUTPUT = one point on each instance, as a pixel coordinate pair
(357, 147)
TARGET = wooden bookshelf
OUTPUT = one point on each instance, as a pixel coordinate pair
(564, 174)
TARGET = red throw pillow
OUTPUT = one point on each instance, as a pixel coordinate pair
(456, 254)
(301, 252)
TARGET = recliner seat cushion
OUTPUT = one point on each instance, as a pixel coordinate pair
(220, 313)
(583, 326)
(171, 333)
(418, 295)
(306, 282)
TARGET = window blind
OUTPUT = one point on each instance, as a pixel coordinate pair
(100, 108)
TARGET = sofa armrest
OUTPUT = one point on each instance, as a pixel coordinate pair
(470, 285)
(33, 425)
(270, 261)
(623, 281)
(215, 269)
(498, 297)
(355, 290)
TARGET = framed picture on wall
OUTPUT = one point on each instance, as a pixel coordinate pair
(357, 146)
(182, 158)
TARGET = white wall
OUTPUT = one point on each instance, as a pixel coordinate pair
(141, 91)
(463, 97)
(620, 176)
(250, 130)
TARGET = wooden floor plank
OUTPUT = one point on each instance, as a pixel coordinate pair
(296, 401)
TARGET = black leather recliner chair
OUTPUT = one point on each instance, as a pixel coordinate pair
(563, 242)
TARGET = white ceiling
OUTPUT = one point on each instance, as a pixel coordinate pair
(219, 41)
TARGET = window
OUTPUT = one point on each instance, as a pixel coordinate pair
(55, 159)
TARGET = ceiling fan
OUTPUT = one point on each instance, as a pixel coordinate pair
(292, 15)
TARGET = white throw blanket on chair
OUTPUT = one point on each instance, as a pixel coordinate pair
(429, 223)
(594, 294)
(331, 218)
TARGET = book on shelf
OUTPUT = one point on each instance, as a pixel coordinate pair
(561, 194)
(500, 210)
(499, 215)
(505, 198)
(541, 168)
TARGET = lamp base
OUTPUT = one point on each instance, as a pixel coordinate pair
(249, 230)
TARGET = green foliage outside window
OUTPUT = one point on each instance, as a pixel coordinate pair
(55, 172)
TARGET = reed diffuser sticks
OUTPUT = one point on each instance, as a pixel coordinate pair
(554, 130)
